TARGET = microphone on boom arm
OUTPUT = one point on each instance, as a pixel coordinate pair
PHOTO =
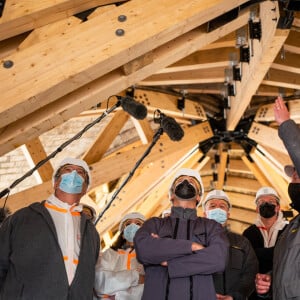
(169, 125)
(134, 108)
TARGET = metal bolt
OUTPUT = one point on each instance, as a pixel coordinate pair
(122, 18)
(120, 32)
(8, 64)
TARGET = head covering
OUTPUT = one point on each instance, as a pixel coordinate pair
(73, 161)
(216, 194)
(190, 173)
(133, 215)
(266, 190)
(289, 170)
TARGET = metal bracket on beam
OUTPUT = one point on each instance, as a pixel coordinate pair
(237, 76)
(230, 89)
(2, 3)
(244, 54)
(254, 30)
(286, 17)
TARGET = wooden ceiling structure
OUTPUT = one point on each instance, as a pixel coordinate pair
(215, 66)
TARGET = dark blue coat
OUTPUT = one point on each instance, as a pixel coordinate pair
(188, 274)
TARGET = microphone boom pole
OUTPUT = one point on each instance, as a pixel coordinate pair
(131, 173)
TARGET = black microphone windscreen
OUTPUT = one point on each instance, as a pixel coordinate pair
(134, 108)
(172, 128)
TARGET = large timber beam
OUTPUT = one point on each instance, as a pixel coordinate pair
(264, 53)
(119, 164)
(45, 118)
(22, 16)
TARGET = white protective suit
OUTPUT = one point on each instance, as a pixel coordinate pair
(117, 274)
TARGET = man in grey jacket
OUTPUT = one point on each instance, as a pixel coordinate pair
(283, 283)
(181, 252)
(49, 249)
(237, 281)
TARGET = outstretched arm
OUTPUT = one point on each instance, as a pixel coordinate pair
(288, 131)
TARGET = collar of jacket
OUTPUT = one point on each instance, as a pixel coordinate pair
(183, 213)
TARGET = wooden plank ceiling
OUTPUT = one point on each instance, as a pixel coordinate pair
(214, 66)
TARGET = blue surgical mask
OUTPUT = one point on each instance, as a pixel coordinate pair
(130, 231)
(217, 214)
(71, 183)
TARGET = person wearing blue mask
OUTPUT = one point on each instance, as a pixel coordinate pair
(119, 276)
(49, 249)
(182, 251)
(237, 281)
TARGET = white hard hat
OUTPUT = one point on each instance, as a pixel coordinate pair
(191, 173)
(133, 215)
(216, 194)
(73, 161)
(266, 190)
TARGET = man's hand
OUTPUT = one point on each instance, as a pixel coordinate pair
(196, 246)
(262, 283)
(154, 235)
(281, 112)
(223, 297)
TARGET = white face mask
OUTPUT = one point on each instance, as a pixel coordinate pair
(217, 214)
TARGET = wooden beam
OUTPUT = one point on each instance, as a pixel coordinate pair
(168, 105)
(68, 106)
(263, 180)
(37, 153)
(45, 32)
(200, 76)
(282, 79)
(264, 53)
(41, 78)
(144, 130)
(222, 170)
(242, 185)
(106, 137)
(115, 166)
(265, 113)
(240, 200)
(200, 60)
(265, 135)
(26, 15)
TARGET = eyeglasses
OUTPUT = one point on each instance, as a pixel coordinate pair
(217, 203)
(70, 168)
(270, 201)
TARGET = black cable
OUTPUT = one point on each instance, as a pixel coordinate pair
(61, 147)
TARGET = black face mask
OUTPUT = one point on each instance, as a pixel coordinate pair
(185, 190)
(267, 210)
(294, 193)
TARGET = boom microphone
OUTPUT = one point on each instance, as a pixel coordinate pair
(172, 128)
(134, 108)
